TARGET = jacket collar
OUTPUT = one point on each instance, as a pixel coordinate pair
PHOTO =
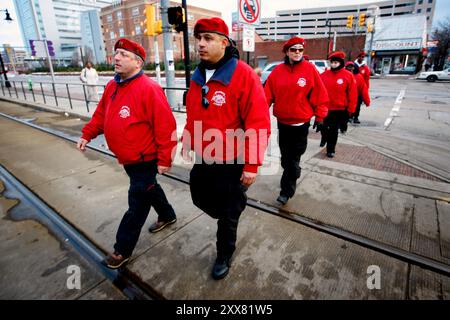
(118, 80)
(223, 74)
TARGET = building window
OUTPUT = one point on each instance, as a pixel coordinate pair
(135, 11)
(420, 1)
(109, 18)
(111, 34)
(119, 15)
(430, 1)
(137, 28)
(428, 9)
(419, 10)
(121, 32)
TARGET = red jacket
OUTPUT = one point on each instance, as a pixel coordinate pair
(341, 86)
(363, 91)
(137, 121)
(297, 93)
(236, 101)
(365, 73)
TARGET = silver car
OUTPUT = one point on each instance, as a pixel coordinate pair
(321, 66)
(432, 76)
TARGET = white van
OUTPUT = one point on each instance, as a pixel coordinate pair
(321, 65)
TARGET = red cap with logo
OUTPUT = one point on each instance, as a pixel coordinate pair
(214, 25)
(131, 46)
(337, 54)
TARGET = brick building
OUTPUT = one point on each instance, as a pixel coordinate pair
(126, 19)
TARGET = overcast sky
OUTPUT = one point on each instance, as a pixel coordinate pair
(9, 32)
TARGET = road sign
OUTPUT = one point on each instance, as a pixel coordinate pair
(248, 41)
(249, 11)
(235, 24)
(38, 49)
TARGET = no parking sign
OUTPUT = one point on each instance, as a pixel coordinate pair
(249, 11)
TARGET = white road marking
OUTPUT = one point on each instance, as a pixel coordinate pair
(396, 109)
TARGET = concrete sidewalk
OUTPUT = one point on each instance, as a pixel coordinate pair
(276, 258)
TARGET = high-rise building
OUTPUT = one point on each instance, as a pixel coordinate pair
(92, 38)
(312, 22)
(55, 20)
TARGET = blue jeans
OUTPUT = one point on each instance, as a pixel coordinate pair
(144, 193)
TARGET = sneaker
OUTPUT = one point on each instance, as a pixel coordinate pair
(282, 199)
(330, 154)
(114, 260)
(159, 225)
(356, 120)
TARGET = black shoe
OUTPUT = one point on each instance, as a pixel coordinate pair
(282, 199)
(159, 225)
(221, 268)
(356, 120)
(330, 154)
(322, 143)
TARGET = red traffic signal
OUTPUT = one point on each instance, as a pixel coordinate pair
(177, 18)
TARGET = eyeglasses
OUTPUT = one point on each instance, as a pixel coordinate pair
(205, 102)
(295, 50)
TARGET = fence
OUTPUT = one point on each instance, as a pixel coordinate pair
(76, 97)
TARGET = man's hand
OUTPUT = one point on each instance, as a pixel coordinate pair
(186, 155)
(81, 144)
(318, 125)
(162, 169)
(248, 178)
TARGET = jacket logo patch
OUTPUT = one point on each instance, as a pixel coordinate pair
(301, 82)
(340, 81)
(363, 71)
(219, 98)
(124, 112)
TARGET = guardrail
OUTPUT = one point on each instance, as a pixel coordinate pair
(69, 96)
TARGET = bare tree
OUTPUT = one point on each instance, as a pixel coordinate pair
(441, 34)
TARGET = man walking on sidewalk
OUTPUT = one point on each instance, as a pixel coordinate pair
(138, 125)
(225, 99)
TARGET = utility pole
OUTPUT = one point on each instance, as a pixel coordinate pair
(328, 24)
(187, 58)
(372, 31)
(168, 56)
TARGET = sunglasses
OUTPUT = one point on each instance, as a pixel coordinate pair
(205, 102)
(295, 50)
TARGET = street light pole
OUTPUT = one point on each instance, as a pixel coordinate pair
(7, 84)
(328, 24)
(369, 58)
(187, 62)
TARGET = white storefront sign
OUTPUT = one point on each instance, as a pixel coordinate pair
(404, 44)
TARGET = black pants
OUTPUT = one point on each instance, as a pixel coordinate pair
(358, 108)
(216, 189)
(335, 120)
(293, 141)
(144, 192)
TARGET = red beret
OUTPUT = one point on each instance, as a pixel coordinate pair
(131, 46)
(292, 41)
(349, 63)
(215, 25)
(337, 54)
(361, 54)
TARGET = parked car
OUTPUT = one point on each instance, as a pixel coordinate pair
(321, 66)
(432, 76)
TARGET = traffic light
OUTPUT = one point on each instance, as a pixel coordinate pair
(349, 22)
(149, 21)
(362, 19)
(370, 28)
(177, 18)
(51, 50)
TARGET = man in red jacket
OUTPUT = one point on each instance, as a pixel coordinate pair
(341, 86)
(227, 126)
(364, 70)
(139, 128)
(363, 91)
(298, 94)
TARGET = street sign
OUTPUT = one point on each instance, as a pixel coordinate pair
(235, 24)
(248, 41)
(38, 48)
(249, 11)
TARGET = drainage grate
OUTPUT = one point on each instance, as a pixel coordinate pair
(368, 158)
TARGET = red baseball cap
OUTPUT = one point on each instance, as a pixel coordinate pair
(214, 25)
(131, 46)
(362, 54)
(293, 41)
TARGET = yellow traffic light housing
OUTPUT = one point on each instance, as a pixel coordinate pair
(349, 22)
(153, 27)
(149, 21)
(362, 19)
(370, 28)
